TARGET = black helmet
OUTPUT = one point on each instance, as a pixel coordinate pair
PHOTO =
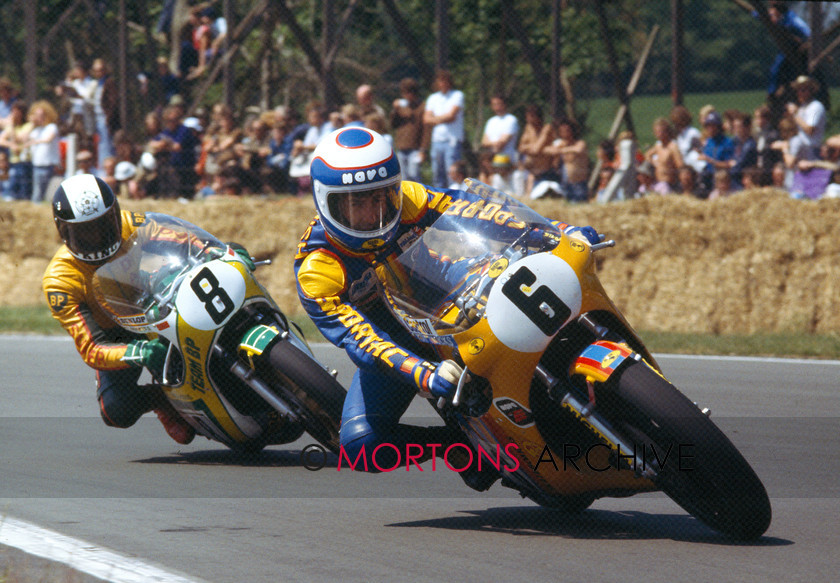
(87, 216)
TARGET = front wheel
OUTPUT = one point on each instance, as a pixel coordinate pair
(313, 392)
(704, 473)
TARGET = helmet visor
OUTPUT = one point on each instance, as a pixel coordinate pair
(366, 211)
(92, 240)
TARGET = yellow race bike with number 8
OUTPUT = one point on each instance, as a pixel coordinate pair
(235, 370)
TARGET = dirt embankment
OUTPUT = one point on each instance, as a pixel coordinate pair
(757, 261)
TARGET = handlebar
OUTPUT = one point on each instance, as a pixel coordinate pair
(459, 390)
(603, 245)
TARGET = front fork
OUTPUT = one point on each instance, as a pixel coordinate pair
(597, 363)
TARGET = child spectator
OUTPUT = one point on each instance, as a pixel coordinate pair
(109, 169)
(668, 184)
(457, 175)
(778, 176)
(833, 189)
(752, 177)
(664, 155)
(125, 174)
(723, 184)
(5, 191)
(645, 178)
(502, 178)
(604, 176)
(84, 163)
(689, 184)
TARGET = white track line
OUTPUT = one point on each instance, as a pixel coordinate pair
(83, 556)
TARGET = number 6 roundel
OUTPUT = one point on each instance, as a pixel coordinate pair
(532, 300)
(210, 295)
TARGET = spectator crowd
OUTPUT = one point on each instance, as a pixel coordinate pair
(215, 151)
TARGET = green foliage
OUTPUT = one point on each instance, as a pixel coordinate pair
(725, 48)
(782, 345)
(30, 319)
(646, 108)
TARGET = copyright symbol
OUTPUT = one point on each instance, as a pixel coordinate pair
(313, 457)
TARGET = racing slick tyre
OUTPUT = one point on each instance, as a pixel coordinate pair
(704, 473)
(308, 388)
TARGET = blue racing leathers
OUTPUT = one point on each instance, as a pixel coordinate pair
(339, 291)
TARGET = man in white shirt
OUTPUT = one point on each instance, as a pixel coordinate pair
(445, 113)
(809, 115)
(501, 130)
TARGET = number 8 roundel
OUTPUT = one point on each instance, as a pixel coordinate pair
(532, 299)
(210, 295)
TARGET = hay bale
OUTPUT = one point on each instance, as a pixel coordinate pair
(755, 262)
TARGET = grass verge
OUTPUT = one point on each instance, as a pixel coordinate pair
(37, 320)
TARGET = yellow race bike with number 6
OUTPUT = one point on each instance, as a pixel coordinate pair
(559, 395)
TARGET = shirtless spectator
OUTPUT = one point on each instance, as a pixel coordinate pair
(572, 150)
(664, 155)
(536, 136)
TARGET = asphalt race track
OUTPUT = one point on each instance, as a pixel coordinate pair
(201, 512)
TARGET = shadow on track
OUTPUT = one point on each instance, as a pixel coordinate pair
(269, 458)
(589, 524)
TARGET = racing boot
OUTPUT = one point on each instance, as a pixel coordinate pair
(178, 429)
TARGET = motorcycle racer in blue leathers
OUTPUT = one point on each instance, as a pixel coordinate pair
(366, 216)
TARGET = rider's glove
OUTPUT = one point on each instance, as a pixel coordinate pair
(148, 353)
(243, 255)
(440, 381)
(588, 234)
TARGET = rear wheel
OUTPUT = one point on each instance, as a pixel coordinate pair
(704, 472)
(305, 385)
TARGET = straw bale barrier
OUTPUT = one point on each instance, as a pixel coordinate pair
(755, 262)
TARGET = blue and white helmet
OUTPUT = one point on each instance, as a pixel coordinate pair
(356, 184)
